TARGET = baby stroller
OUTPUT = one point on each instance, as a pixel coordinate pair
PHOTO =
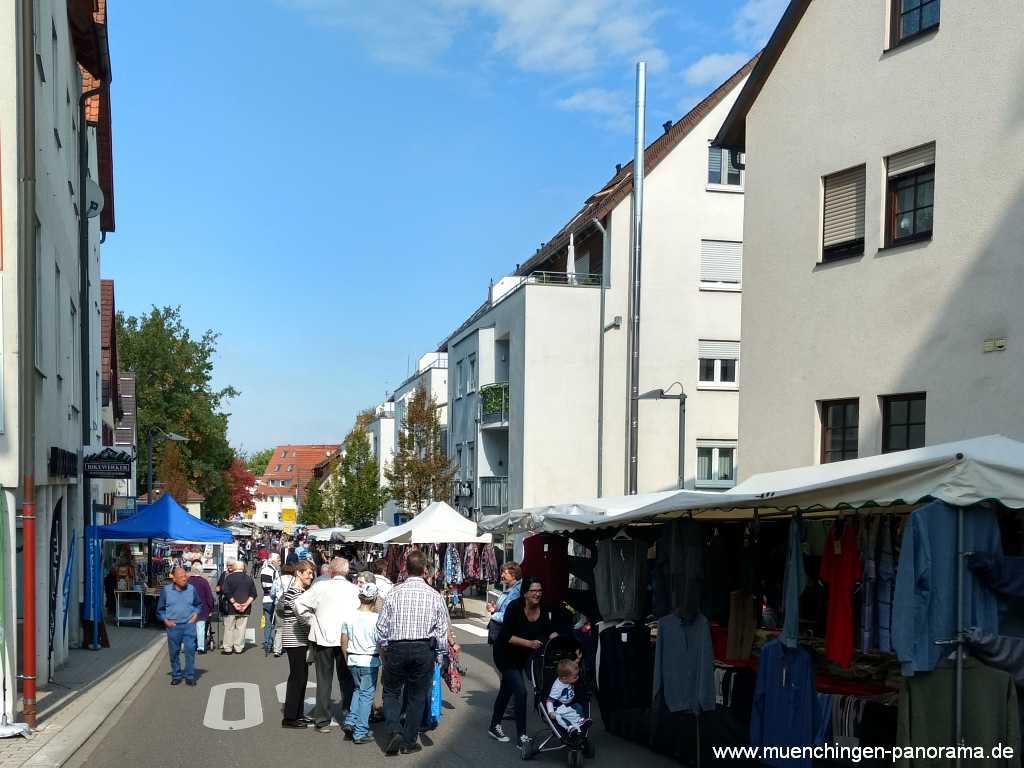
(543, 673)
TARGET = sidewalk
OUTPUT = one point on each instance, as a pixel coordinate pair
(81, 696)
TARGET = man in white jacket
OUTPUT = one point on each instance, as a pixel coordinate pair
(325, 606)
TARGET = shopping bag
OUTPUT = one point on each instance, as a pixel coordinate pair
(435, 697)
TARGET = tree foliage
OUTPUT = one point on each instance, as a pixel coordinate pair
(313, 512)
(239, 481)
(171, 474)
(175, 393)
(420, 471)
(361, 496)
(257, 462)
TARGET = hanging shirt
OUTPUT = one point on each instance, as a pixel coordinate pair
(684, 664)
(840, 569)
(885, 585)
(794, 581)
(620, 579)
(869, 586)
(924, 603)
(784, 708)
(1004, 575)
(547, 558)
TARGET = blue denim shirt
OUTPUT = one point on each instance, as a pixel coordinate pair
(178, 605)
(507, 597)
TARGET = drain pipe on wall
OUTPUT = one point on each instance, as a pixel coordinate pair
(27, 349)
(606, 251)
(636, 252)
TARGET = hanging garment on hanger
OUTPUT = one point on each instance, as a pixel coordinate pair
(924, 602)
(490, 563)
(620, 579)
(679, 569)
(999, 651)
(840, 569)
(886, 582)
(999, 573)
(546, 557)
(990, 714)
(684, 664)
(793, 584)
(742, 623)
(868, 541)
(784, 712)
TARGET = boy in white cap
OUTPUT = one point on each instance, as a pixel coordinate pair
(359, 647)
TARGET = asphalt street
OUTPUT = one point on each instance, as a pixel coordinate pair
(233, 718)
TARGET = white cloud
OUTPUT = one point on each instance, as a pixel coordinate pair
(570, 37)
(600, 101)
(756, 20)
(714, 68)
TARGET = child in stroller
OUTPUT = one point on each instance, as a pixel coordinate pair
(562, 691)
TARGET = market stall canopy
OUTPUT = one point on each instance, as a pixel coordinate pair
(437, 524)
(960, 473)
(167, 520)
(361, 534)
(327, 534)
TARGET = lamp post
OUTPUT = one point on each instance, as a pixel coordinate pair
(662, 394)
(149, 484)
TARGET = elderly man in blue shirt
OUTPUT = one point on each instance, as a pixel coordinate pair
(178, 608)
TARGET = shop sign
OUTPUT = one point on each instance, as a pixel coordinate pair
(108, 464)
(289, 515)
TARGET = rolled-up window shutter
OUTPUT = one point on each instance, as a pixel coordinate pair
(844, 207)
(721, 261)
(718, 350)
(912, 159)
(714, 165)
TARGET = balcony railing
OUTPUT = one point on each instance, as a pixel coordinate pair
(565, 278)
(494, 404)
(494, 495)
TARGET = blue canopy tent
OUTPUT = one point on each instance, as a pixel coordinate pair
(165, 520)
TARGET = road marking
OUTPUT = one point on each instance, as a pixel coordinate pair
(282, 691)
(472, 629)
(251, 706)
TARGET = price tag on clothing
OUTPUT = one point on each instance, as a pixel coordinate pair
(625, 637)
(546, 547)
(837, 546)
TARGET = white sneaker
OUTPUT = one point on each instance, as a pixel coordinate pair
(497, 733)
(524, 741)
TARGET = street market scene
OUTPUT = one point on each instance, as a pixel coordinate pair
(708, 447)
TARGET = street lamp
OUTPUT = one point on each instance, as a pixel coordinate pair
(149, 484)
(662, 394)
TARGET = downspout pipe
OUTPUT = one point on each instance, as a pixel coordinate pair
(636, 252)
(606, 247)
(26, 140)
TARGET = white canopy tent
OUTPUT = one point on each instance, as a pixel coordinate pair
(326, 534)
(960, 473)
(362, 534)
(437, 524)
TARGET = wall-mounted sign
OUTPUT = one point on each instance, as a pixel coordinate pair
(108, 464)
(289, 515)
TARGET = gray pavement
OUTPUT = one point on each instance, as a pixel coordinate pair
(232, 718)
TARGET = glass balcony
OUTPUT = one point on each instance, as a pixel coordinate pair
(493, 495)
(494, 405)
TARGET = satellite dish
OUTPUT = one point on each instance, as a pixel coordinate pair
(93, 198)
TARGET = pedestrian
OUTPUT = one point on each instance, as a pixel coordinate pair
(294, 641)
(178, 608)
(270, 583)
(384, 584)
(413, 631)
(239, 592)
(202, 587)
(325, 606)
(524, 630)
(511, 582)
(325, 571)
(359, 648)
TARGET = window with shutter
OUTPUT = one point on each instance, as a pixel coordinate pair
(718, 364)
(843, 221)
(724, 168)
(721, 263)
(910, 195)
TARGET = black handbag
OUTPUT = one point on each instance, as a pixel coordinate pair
(493, 630)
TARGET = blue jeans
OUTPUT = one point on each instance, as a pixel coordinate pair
(179, 637)
(268, 630)
(365, 679)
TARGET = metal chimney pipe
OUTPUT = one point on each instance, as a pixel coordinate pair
(636, 250)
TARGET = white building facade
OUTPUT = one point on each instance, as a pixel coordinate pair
(883, 231)
(382, 433)
(534, 415)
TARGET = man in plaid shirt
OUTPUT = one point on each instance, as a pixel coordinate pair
(413, 631)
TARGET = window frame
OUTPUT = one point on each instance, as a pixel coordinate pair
(719, 285)
(848, 249)
(471, 374)
(723, 173)
(717, 383)
(906, 397)
(825, 429)
(891, 199)
(715, 446)
(896, 14)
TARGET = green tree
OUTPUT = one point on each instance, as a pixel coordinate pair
(257, 462)
(420, 472)
(175, 393)
(313, 511)
(359, 491)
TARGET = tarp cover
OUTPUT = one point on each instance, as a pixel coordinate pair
(326, 534)
(361, 534)
(165, 519)
(960, 473)
(437, 524)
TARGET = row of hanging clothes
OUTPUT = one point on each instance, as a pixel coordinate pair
(448, 564)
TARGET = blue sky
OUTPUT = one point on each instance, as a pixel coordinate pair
(331, 184)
